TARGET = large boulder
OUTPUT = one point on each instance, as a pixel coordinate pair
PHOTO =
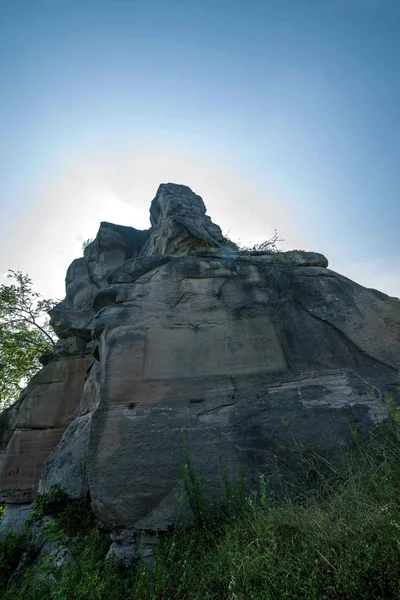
(231, 358)
(241, 360)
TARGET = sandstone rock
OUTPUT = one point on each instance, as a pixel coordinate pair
(65, 468)
(22, 462)
(113, 245)
(14, 519)
(35, 424)
(51, 398)
(179, 223)
(134, 268)
(231, 355)
(293, 258)
(69, 346)
(128, 546)
(72, 317)
(237, 357)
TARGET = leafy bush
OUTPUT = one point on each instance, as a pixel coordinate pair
(25, 335)
(11, 552)
(74, 517)
(52, 503)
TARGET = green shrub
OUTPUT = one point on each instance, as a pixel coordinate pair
(11, 552)
(52, 503)
(74, 516)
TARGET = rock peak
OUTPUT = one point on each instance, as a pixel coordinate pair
(178, 217)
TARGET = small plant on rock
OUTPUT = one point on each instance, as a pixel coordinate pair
(270, 246)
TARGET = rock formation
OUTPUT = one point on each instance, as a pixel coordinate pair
(171, 338)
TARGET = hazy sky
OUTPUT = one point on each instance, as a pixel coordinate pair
(281, 113)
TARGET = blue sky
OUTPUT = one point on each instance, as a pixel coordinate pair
(280, 113)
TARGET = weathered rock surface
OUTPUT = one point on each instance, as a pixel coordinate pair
(179, 223)
(238, 357)
(32, 428)
(14, 519)
(66, 467)
(113, 245)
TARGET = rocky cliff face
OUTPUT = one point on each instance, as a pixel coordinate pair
(170, 337)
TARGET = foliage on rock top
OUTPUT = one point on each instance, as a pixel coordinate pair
(270, 246)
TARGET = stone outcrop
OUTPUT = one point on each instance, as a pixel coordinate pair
(32, 428)
(237, 357)
(179, 223)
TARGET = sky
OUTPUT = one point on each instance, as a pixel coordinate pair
(281, 114)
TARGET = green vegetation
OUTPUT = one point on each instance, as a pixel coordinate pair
(74, 517)
(335, 539)
(11, 553)
(230, 242)
(25, 335)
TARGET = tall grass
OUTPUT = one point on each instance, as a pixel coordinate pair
(335, 539)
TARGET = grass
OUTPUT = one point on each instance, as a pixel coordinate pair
(337, 539)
